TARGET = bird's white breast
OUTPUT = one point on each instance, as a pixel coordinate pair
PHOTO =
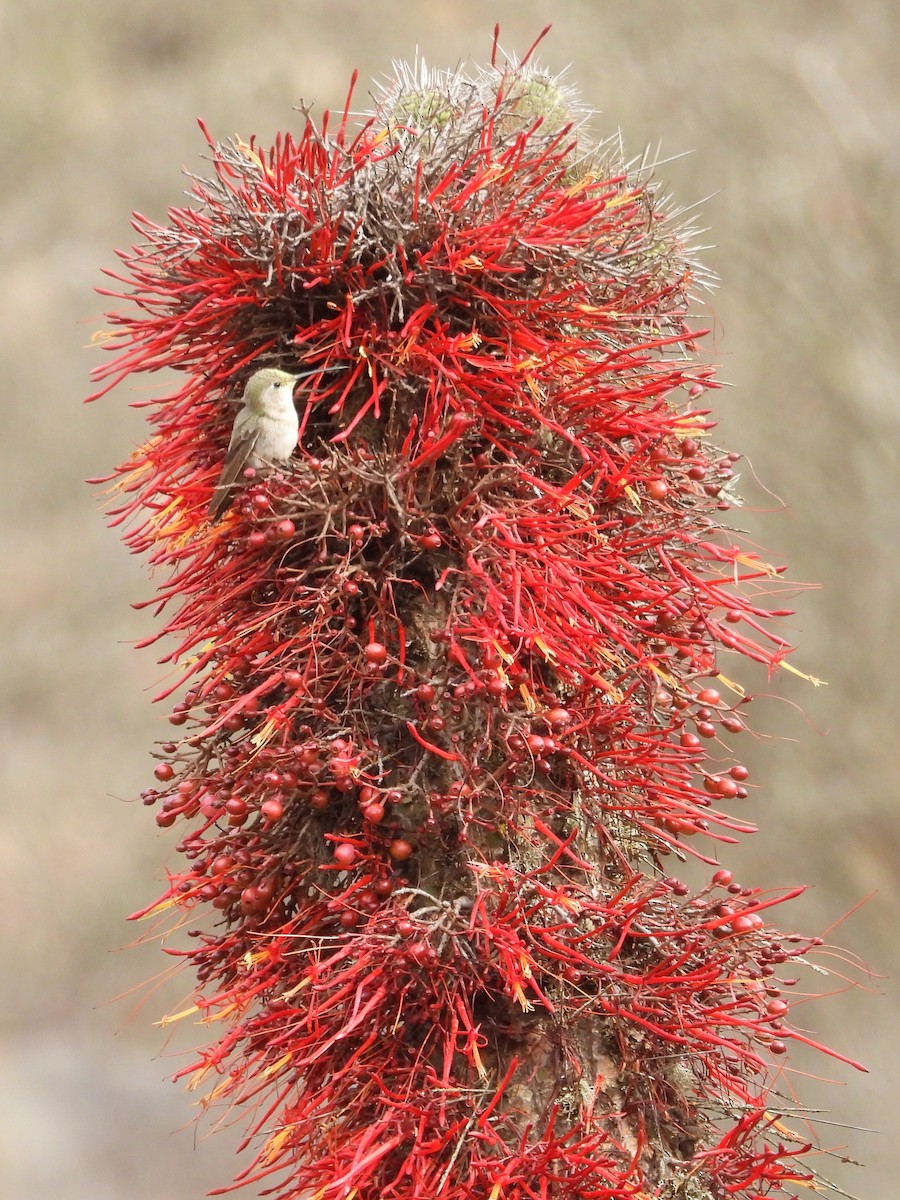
(277, 438)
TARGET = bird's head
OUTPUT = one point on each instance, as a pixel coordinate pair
(269, 390)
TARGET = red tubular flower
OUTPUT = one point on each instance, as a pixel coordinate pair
(453, 672)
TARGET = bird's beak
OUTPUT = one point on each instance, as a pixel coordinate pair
(319, 371)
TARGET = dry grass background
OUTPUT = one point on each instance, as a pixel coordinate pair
(791, 108)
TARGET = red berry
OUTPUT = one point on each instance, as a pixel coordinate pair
(163, 772)
(345, 854)
(743, 924)
(272, 810)
(400, 849)
(657, 489)
(418, 951)
(556, 718)
(376, 654)
(285, 529)
(251, 901)
(211, 806)
(723, 878)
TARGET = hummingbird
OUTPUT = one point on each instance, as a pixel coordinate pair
(264, 433)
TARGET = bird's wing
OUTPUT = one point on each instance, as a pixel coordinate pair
(240, 448)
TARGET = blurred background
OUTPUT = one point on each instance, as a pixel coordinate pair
(791, 109)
